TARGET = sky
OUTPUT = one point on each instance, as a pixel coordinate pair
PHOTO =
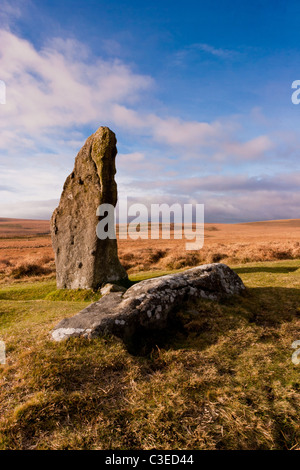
(197, 92)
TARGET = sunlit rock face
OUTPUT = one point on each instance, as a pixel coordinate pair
(147, 305)
(82, 259)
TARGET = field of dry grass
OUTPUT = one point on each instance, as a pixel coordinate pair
(221, 378)
(25, 247)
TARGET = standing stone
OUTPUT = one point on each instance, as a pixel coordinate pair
(82, 259)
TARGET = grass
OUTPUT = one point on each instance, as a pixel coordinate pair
(27, 290)
(150, 274)
(225, 380)
(24, 253)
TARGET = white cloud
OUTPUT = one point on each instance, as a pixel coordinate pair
(62, 86)
(51, 88)
(28, 209)
(174, 131)
(9, 11)
(196, 51)
(224, 184)
(131, 157)
(230, 198)
(30, 183)
(215, 51)
(193, 138)
(250, 150)
(57, 91)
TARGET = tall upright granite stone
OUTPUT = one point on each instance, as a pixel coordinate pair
(82, 259)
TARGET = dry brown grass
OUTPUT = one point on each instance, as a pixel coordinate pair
(15, 228)
(229, 243)
(25, 249)
(224, 380)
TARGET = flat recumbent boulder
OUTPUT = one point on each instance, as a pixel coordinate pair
(147, 305)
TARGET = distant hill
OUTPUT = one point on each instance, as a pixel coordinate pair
(23, 228)
(275, 223)
(16, 228)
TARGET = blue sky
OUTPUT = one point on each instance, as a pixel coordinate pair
(198, 94)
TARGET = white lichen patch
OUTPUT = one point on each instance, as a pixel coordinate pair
(64, 333)
(152, 301)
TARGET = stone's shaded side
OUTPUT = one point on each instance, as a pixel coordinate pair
(82, 260)
(147, 305)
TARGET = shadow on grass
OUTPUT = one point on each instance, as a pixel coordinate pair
(199, 324)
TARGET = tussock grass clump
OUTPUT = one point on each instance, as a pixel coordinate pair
(26, 262)
(176, 257)
(5, 262)
(29, 269)
(156, 255)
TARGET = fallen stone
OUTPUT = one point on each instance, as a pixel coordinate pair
(147, 305)
(83, 261)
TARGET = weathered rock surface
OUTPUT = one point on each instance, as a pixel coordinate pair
(146, 306)
(82, 259)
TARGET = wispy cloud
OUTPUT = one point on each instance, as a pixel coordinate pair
(224, 184)
(55, 93)
(9, 11)
(231, 198)
(28, 209)
(217, 52)
(56, 87)
(61, 86)
(204, 51)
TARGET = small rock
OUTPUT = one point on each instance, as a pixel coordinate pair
(108, 288)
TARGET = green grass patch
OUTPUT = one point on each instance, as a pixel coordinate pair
(27, 290)
(74, 295)
(150, 274)
(46, 290)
